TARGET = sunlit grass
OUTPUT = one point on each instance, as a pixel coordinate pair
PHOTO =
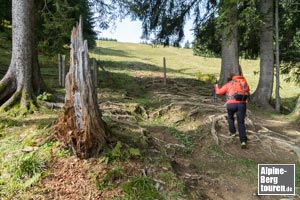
(142, 58)
(25, 148)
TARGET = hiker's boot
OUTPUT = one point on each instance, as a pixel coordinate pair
(233, 135)
(244, 145)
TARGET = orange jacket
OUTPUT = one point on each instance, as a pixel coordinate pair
(227, 89)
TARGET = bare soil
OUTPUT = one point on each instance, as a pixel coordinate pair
(184, 124)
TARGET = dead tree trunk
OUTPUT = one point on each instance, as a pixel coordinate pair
(80, 127)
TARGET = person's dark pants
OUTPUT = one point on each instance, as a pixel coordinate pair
(240, 110)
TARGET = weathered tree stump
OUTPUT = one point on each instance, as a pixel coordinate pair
(80, 127)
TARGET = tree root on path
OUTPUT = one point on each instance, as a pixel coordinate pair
(166, 144)
(214, 119)
(284, 144)
(270, 137)
(159, 112)
(142, 131)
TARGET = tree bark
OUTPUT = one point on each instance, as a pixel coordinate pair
(263, 93)
(23, 79)
(80, 127)
(230, 54)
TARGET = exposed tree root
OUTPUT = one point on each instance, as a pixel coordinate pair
(141, 130)
(269, 147)
(213, 131)
(25, 100)
(284, 144)
(266, 130)
(159, 112)
(168, 149)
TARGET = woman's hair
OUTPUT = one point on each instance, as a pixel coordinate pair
(229, 77)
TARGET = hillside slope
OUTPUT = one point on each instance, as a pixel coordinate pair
(168, 141)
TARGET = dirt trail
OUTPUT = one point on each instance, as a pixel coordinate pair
(218, 167)
(185, 124)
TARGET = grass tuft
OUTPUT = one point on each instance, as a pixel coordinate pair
(141, 187)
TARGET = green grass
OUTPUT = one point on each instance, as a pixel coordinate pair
(127, 65)
(125, 61)
(297, 176)
(141, 187)
(173, 182)
(132, 59)
(216, 150)
(24, 151)
(187, 138)
(247, 168)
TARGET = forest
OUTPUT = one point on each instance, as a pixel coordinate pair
(85, 117)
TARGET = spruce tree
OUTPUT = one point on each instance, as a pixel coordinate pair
(58, 18)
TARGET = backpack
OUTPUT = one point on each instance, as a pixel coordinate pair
(240, 89)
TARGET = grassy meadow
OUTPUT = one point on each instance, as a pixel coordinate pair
(129, 58)
(132, 59)
(26, 145)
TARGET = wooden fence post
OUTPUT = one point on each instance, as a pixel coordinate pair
(63, 70)
(165, 71)
(59, 71)
(95, 74)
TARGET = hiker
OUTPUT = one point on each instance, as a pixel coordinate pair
(237, 91)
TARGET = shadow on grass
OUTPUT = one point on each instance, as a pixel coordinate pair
(109, 52)
(136, 66)
(288, 104)
(24, 123)
(9, 122)
(137, 87)
(41, 122)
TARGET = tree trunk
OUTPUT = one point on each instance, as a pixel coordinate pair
(263, 93)
(230, 57)
(80, 127)
(23, 79)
